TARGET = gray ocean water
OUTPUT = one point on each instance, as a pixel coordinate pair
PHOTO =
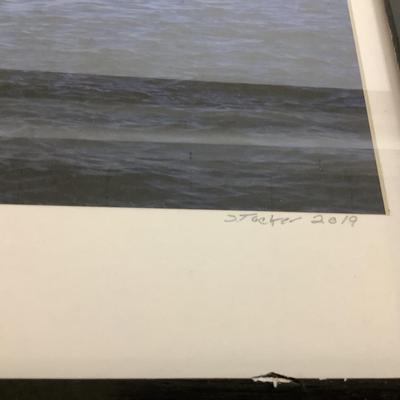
(284, 42)
(112, 141)
(203, 104)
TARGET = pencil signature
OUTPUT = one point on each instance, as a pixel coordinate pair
(273, 220)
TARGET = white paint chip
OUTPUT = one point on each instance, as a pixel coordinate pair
(275, 379)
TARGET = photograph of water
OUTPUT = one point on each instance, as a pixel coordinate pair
(187, 104)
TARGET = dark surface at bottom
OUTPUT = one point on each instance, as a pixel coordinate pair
(196, 389)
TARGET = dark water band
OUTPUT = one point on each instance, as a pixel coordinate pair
(136, 90)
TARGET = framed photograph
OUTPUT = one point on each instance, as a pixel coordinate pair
(199, 189)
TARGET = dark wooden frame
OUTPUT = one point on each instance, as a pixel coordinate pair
(221, 389)
(393, 10)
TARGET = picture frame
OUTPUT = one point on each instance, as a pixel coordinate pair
(77, 280)
(394, 16)
(196, 389)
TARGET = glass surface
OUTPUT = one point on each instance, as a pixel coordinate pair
(197, 104)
